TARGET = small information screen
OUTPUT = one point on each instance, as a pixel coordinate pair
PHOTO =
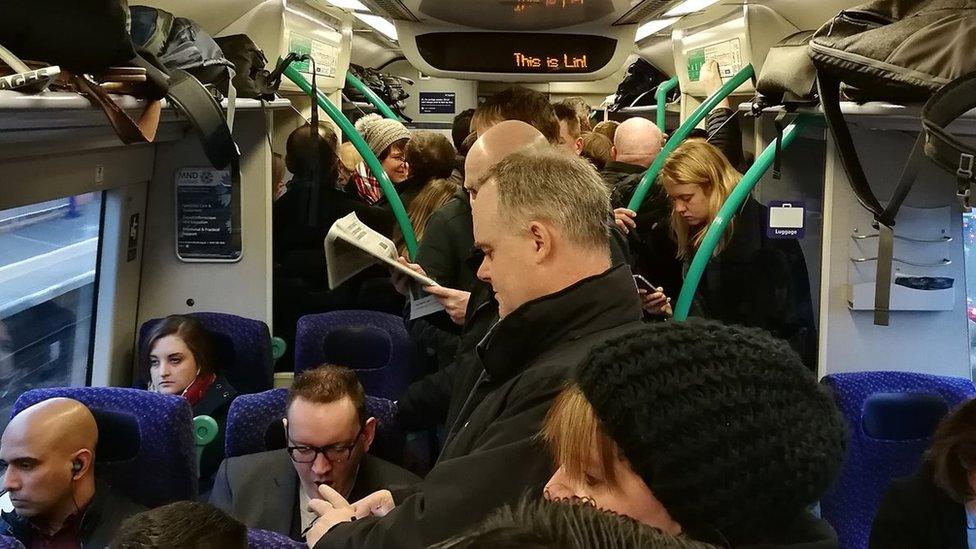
(204, 214)
(438, 103)
(516, 52)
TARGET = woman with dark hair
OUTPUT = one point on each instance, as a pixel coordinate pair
(936, 507)
(180, 362)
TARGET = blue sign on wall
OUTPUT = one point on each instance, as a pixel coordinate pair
(786, 220)
(438, 103)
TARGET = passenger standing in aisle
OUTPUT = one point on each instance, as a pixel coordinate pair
(548, 260)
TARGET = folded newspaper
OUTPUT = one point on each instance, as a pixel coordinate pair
(351, 246)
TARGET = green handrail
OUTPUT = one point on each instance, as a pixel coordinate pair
(409, 237)
(682, 132)
(727, 212)
(662, 99)
(371, 96)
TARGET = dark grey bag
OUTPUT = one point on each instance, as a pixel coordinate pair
(900, 51)
(788, 76)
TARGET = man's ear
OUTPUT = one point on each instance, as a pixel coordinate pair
(81, 463)
(579, 145)
(542, 238)
(369, 433)
(613, 153)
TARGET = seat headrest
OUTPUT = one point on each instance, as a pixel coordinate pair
(357, 347)
(902, 416)
(118, 436)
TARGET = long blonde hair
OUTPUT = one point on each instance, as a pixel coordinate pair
(697, 162)
(435, 194)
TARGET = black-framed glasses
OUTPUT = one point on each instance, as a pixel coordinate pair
(336, 453)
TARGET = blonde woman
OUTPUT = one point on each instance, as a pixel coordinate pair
(434, 194)
(751, 279)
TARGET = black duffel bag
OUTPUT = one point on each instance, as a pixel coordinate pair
(899, 51)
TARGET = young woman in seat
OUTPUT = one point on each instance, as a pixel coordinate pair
(180, 362)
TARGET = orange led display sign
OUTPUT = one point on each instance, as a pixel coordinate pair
(566, 61)
(516, 52)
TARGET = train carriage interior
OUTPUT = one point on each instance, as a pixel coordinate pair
(279, 185)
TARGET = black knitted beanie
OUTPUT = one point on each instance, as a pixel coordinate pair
(725, 424)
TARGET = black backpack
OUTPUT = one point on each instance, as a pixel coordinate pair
(639, 86)
(900, 51)
(251, 78)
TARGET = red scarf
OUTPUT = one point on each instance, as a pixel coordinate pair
(198, 388)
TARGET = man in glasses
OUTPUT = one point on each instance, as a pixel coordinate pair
(328, 435)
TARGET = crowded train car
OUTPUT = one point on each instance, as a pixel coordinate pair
(488, 274)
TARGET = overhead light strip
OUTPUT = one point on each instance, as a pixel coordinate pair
(649, 28)
(354, 5)
(688, 6)
(379, 24)
(308, 17)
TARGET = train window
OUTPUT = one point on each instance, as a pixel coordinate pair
(969, 247)
(48, 261)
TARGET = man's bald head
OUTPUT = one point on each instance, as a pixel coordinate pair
(494, 145)
(637, 141)
(49, 449)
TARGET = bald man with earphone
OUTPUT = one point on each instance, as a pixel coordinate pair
(47, 457)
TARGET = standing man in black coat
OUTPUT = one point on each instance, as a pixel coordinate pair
(547, 259)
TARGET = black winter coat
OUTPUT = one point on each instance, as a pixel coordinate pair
(493, 454)
(101, 521)
(762, 282)
(916, 513)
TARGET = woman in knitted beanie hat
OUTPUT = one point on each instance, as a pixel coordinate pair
(717, 432)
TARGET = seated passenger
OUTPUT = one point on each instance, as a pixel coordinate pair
(607, 128)
(570, 135)
(328, 437)
(47, 455)
(714, 432)
(541, 524)
(182, 525)
(517, 103)
(387, 139)
(547, 257)
(180, 362)
(751, 279)
(936, 507)
(597, 149)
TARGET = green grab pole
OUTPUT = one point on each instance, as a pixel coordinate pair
(662, 99)
(726, 213)
(371, 96)
(682, 132)
(409, 237)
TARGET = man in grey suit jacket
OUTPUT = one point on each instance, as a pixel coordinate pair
(328, 437)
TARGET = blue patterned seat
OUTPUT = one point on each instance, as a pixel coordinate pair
(164, 469)
(374, 344)
(872, 462)
(7, 542)
(242, 349)
(264, 539)
(254, 425)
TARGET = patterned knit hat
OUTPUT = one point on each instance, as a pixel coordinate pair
(380, 132)
(726, 426)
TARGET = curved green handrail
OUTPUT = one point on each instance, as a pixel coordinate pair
(682, 132)
(204, 432)
(662, 99)
(371, 96)
(727, 212)
(399, 213)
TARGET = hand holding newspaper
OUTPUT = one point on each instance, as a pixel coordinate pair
(351, 246)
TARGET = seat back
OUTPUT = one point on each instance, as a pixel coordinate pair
(164, 469)
(241, 347)
(254, 425)
(374, 344)
(7, 542)
(891, 417)
(265, 539)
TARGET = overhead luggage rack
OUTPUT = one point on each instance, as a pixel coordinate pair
(876, 115)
